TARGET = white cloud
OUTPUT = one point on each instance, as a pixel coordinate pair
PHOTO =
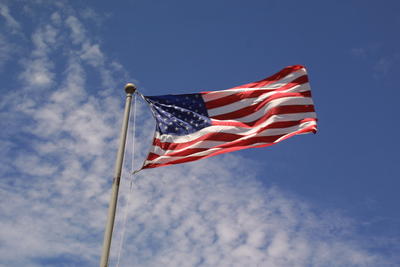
(93, 55)
(5, 51)
(38, 68)
(44, 39)
(90, 52)
(359, 52)
(37, 73)
(10, 21)
(33, 165)
(56, 18)
(385, 64)
(90, 14)
(10, 29)
(380, 64)
(77, 30)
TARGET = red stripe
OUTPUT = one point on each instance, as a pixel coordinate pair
(230, 139)
(276, 77)
(252, 94)
(311, 128)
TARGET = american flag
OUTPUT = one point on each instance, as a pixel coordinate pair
(196, 126)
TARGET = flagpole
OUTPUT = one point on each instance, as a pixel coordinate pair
(130, 90)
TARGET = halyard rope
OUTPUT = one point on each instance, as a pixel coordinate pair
(131, 176)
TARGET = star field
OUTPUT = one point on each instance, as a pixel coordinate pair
(179, 114)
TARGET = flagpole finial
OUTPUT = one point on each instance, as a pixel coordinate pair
(130, 88)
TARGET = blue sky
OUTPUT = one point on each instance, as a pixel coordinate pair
(329, 199)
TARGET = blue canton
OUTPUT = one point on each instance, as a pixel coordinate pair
(179, 114)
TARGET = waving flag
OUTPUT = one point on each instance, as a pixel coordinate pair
(196, 126)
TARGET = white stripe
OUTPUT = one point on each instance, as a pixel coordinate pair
(255, 100)
(233, 129)
(289, 78)
(208, 144)
(166, 158)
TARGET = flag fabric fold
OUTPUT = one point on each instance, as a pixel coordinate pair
(196, 126)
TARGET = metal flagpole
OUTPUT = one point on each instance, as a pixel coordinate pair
(130, 90)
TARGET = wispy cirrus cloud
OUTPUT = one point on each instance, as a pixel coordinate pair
(207, 214)
(386, 64)
(5, 51)
(57, 151)
(56, 188)
(39, 68)
(10, 27)
(9, 19)
(380, 58)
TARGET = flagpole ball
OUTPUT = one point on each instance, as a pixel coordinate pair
(130, 88)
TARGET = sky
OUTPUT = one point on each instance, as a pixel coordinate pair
(329, 199)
